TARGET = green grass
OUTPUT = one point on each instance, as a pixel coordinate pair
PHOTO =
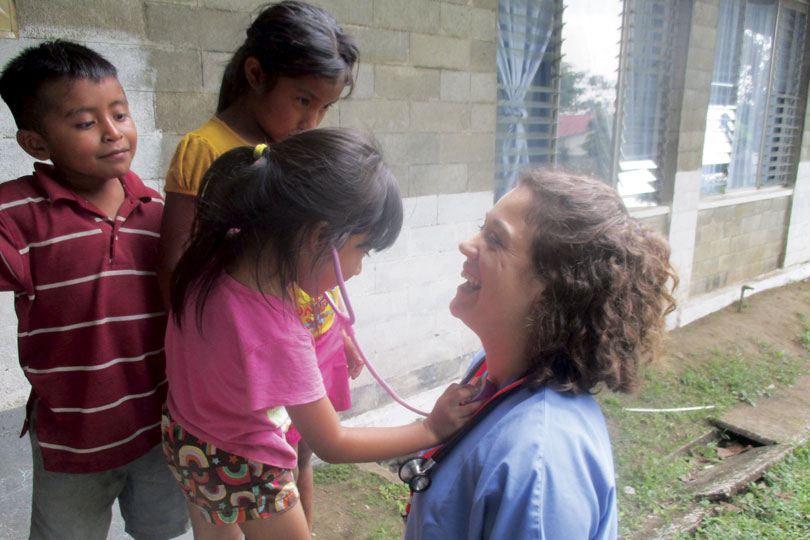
(647, 472)
(804, 335)
(777, 507)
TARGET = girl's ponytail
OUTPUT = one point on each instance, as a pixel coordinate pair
(259, 209)
(216, 241)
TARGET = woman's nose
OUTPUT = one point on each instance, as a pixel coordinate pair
(467, 247)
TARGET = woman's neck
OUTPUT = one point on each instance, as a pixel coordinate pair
(506, 359)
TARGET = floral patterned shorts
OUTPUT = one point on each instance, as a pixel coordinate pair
(226, 488)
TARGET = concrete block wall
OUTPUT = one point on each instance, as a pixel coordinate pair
(426, 88)
(693, 109)
(738, 242)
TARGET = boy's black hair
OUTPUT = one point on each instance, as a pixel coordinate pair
(24, 76)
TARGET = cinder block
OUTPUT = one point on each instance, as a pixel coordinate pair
(483, 24)
(179, 113)
(147, 163)
(471, 206)
(433, 239)
(440, 52)
(168, 145)
(486, 4)
(8, 128)
(410, 148)
(414, 15)
(483, 56)
(15, 162)
(434, 297)
(455, 20)
(142, 110)
(700, 80)
(135, 69)
(213, 66)
(455, 85)
(481, 176)
(484, 87)
(375, 115)
(108, 20)
(247, 6)
(177, 70)
(439, 116)
(689, 161)
(404, 82)
(191, 27)
(482, 117)
(363, 82)
(467, 147)
(437, 179)
(421, 211)
(381, 46)
(707, 13)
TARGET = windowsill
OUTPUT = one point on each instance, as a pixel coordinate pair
(744, 196)
(641, 212)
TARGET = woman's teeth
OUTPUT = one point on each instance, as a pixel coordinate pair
(471, 281)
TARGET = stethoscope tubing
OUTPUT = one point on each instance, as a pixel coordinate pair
(348, 320)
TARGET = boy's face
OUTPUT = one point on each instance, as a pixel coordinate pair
(87, 132)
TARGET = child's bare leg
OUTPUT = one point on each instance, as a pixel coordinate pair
(305, 480)
(289, 525)
(208, 531)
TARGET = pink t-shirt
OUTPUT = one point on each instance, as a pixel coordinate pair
(226, 385)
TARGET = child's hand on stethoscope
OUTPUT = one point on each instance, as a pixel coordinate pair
(452, 410)
(354, 361)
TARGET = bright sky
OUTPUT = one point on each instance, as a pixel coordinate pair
(591, 36)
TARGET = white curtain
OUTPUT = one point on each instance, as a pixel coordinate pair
(524, 32)
(752, 92)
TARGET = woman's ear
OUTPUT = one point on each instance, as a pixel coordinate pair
(254, 73)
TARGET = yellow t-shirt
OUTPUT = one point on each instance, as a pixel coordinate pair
(196, 151)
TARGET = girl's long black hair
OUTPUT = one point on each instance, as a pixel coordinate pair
(290, 39)
(262, 209)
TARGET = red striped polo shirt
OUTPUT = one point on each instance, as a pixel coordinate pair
(90, 318)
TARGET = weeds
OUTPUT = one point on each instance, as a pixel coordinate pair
(777, 507)
(804, 335)
(647, 471)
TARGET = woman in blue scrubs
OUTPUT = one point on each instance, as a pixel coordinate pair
(568, 295)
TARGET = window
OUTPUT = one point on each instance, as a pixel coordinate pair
(8, 19)
(593, 92)
(754, 119)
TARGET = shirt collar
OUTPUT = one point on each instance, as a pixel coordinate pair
(45, 177)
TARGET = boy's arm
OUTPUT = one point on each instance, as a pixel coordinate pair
(13, 267)
(174, 232)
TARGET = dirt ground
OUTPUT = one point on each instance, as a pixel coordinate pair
(353, 507)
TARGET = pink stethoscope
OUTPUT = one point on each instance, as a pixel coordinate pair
(348, 320)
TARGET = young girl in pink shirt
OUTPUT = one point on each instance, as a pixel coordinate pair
(238, 356)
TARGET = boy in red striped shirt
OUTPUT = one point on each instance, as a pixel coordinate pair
(78, 246)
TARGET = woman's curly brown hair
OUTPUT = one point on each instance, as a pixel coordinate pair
(607, 281)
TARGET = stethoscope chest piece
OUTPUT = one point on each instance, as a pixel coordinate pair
(416, 473)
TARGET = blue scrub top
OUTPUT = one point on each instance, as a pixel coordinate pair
(538, 466)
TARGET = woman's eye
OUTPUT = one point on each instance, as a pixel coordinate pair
(85, 125)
